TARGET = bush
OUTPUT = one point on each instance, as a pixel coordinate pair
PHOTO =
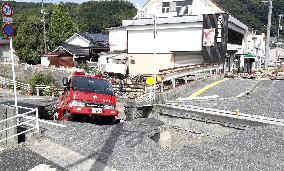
(42, 79)
(85, 67)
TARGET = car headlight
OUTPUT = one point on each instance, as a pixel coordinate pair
(76, 103)
(109, 107)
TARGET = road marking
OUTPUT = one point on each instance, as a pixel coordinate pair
(43, 167)
(200, 91)
(198, 98)
(67, 158)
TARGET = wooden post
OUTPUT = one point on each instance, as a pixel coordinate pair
(162, 87)
(37, 91)
(174, 82)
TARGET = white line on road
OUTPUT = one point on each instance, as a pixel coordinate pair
(67, 158)
(43, 167)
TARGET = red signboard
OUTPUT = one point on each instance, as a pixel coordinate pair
(7, 9)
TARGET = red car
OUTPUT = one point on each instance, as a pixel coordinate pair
(87, 96)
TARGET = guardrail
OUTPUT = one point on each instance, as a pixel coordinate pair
(45, 88)
(5, 82)
(131, 88)
(22, 120)
(190, 70)
(223, 113)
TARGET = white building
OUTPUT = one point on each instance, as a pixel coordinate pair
(5, 51)
(170, 8)
(188, 32)
(80, 48)
(118, 39)
(255, 50)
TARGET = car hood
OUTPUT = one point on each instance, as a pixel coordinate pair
(93, 97)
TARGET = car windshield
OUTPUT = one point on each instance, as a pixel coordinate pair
(87, 84)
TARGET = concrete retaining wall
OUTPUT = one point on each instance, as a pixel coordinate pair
(25, 72)
(174, 93)
(7, 112)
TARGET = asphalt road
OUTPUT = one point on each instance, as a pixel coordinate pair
(226, 89)
(265, 100)
(23, 159)
(128, 146)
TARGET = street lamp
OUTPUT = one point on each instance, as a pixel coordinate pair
(278, 32)
(268, 34)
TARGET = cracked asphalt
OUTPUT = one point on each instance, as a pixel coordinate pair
(128, 146)
(23, 159)
(265, 100)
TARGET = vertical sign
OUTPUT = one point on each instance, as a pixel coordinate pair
(8, 31)
(215, 37)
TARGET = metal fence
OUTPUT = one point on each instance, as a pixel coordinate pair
(6, 83)
(31, 122)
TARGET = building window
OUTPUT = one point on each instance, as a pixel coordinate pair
(166, 7)
(182, 10)
(184, 7)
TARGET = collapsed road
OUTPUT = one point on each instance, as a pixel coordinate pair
(168, 142)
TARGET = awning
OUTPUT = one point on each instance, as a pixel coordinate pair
(249, 56)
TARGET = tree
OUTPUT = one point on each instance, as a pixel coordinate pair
(28, 41)
(61, 26)
(96, 16)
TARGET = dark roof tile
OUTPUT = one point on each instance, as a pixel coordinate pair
(94, 38)
(75, 50)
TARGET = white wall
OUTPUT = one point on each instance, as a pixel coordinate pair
(77, 40)
(44, 61)
(5, 53)
(148, 64)
(169, 38)
(118, 39)
(198, 7)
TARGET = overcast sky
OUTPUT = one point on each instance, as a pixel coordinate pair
(139, 2)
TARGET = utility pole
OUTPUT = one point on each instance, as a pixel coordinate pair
(155, 54)
(278, 34)
(268, 34)
(43, 20)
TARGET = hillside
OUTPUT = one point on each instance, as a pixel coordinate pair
(254, 13)
(89, 16)
(92, 17)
